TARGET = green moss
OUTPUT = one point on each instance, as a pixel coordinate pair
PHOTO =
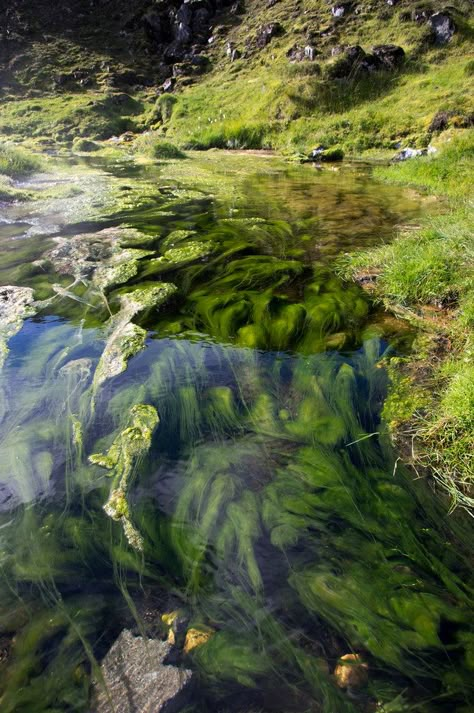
(175, 258)
(151, 144)
(122, 457)
(331, 155)
(85, 145)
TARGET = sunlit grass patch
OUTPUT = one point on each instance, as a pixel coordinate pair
(152, 145)
(434, 266)
(16, 161)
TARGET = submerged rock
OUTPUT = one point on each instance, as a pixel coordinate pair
(177, 257)
(120, 268)
(196, 638)
(16, 304)
(127, 339)
(136, 679)
(105, 257)
(351, 671)
(146, 297)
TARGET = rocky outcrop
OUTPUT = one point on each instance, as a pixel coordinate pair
(176, 29)
(267, 33)
(136, 679)
(326, 155)
(445, 119)
(356, 62)
(406, 154)
(391, 56)
(298, 53)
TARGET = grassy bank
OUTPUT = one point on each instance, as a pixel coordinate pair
(427, 276)
(14, 163)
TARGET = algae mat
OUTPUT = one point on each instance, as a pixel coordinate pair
(192, 446)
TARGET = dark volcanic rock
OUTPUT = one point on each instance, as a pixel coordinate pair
(267, 33)
(299, 54)
(355, 62)
(421, 14)
(392, 56)
(173, 27)
(442, 27)
(443, 119)
(138, 681)
(348, 64)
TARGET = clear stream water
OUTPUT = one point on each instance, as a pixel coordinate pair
(232, 428)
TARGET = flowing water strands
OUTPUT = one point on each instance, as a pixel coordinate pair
(333, 508)
(128, 448)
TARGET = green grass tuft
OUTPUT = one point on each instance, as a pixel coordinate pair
(150, 144)
(447, 172)
(16, 161)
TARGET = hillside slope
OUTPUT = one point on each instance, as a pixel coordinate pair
(286, 74)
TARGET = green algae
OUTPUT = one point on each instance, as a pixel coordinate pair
(176, 237)
(126, 338)
(130, 445)
(175, 258)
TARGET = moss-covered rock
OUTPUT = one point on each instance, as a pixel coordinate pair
(129, 446)
(175, 258)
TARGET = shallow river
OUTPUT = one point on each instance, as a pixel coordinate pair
(191, 423)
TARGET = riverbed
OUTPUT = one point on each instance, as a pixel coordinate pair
(192, 439)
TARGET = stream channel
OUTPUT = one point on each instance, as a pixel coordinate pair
(192, 439)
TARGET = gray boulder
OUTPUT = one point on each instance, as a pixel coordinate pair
(442, 27)
(266, 34)
(341, 9)
(136, 679)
